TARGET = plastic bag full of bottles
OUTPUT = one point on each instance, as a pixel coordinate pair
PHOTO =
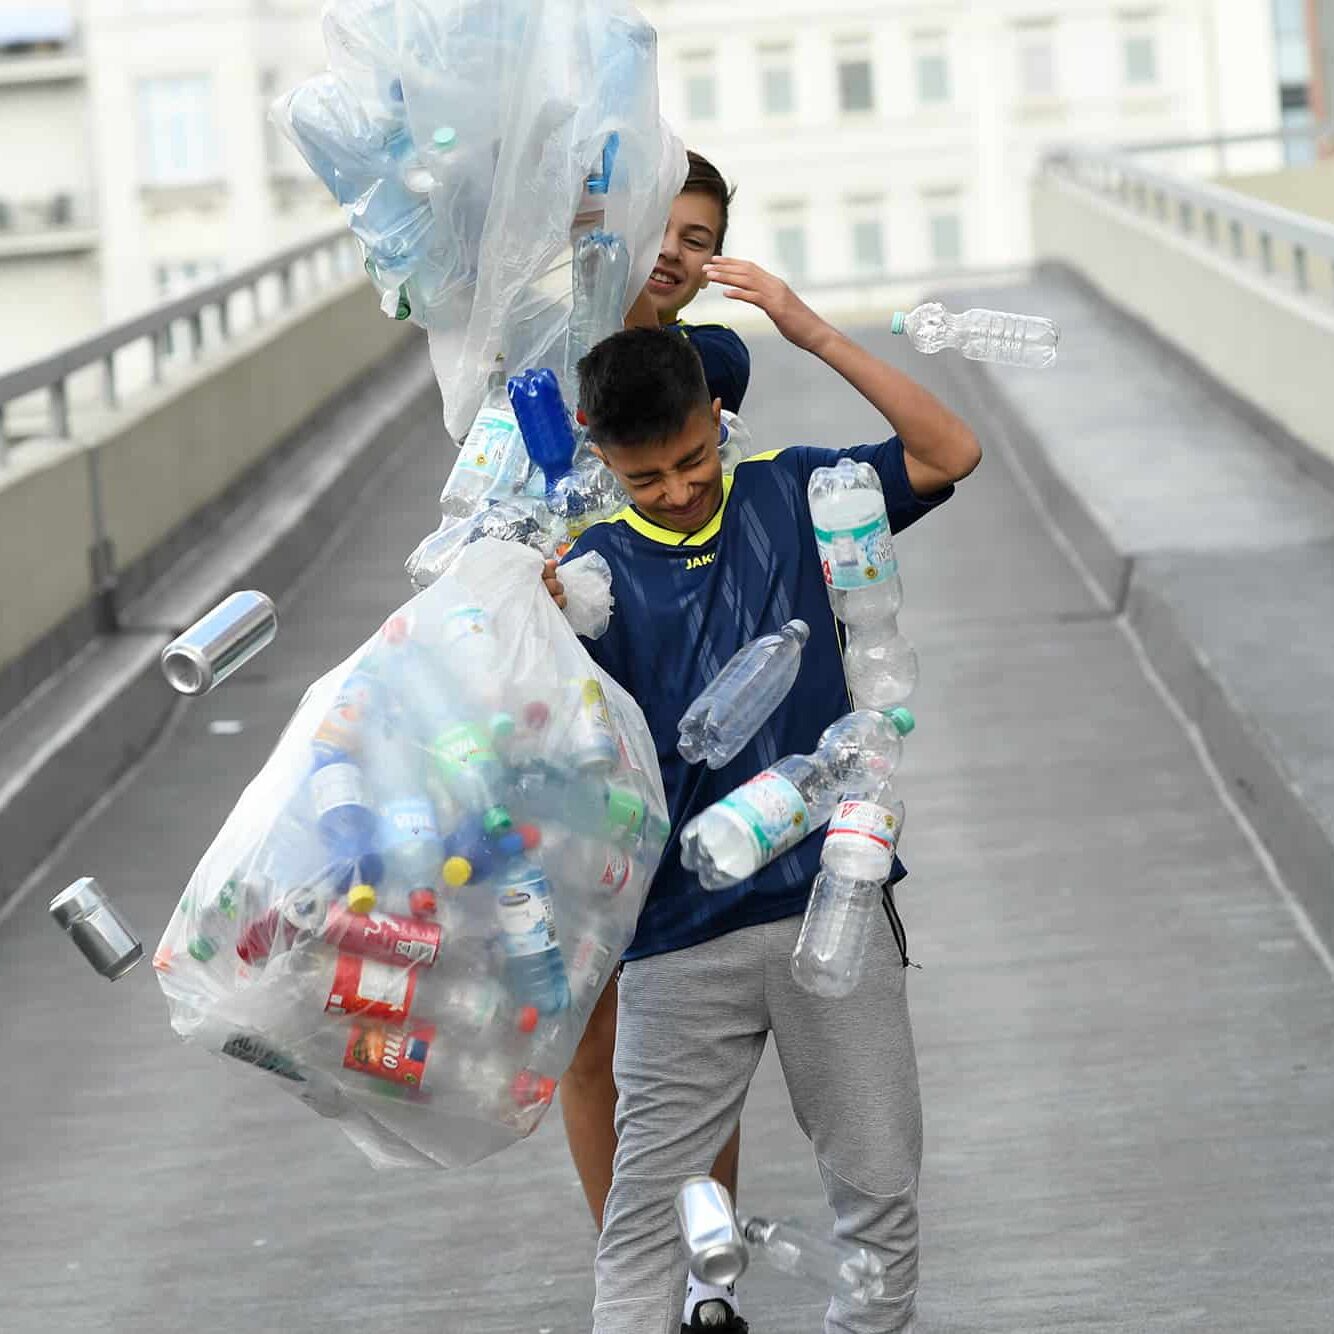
(411, 911)
(473, 144)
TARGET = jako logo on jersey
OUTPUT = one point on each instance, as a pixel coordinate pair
(699, 562)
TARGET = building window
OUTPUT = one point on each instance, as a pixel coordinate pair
(777, 84)
(177, 136)
(946, 239)
(1037, 64)
(788, 223)
(868, 246)
(856, 80)
(701, 86)
(1139, 50)
(933, 70)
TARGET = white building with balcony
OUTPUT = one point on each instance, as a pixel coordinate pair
(873, 140)
(138, 159)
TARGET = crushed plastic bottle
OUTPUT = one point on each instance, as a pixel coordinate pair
(981, 335)
(765, 817)
(861, 574)
(601, 271)
(544, 423)
(733, 707)
(735, 442)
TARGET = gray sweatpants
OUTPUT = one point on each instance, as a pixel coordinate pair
(691, 1027)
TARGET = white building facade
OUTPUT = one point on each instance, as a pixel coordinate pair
(879, 139)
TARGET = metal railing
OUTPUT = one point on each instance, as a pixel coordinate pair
(1283, 245)
(302, 269)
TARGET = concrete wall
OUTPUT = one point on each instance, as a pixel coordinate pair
(1269, 345)
(163, 459)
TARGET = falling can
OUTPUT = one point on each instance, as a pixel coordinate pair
(95, 926)
(715, 1248)
(220, 642)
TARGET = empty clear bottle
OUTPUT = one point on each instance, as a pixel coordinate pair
(741, 698)
(775, 810)
(982, 335)
(851, 1272)
(492, 461)
(601, 270)
(735, 441)
(880, 665)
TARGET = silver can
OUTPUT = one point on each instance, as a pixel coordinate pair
(715, 1248)
(220, 642)
(97, 928)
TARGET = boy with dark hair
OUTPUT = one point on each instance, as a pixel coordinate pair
(702, 563)
(695, 232)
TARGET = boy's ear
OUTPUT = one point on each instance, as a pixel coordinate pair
(717, 411)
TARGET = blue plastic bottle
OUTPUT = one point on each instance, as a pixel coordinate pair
(533, 966)
(347, 821)
(547, 435)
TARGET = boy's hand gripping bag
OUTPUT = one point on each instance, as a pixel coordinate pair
(411, 911)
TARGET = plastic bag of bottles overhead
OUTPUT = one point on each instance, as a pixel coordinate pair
(468, 141)
(413, 907)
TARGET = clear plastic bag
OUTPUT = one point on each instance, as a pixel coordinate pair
(409, 914)
(472, 142)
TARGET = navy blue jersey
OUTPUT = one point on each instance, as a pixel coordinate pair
(684, 604)
(726, 361)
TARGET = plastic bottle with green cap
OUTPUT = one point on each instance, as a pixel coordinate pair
(981, 335)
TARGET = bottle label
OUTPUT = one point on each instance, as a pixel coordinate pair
(408, 820)
(383, 936)
(857, 557)
(588, 965)
(492, 447)
(371, 990)
(396, 1055)
(859, 822)
(336, 785)
(616, 873)
(527, 920)
(461, 625)
(772, 812)
(469, 743)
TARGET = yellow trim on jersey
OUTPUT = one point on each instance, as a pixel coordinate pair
(669, 537)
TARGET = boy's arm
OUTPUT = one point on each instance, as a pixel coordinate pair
(938, 447)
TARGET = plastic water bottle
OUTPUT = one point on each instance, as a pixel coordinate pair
(848, 1271)
(741, 698)
(346, 819)
(862, 578)
(981, 335)
(600, 273)
(735, 442)
(492, 460)
(544, 423)
(775, 810)
(408, 832)
(533, 965)
(462, 749)
(861, 571)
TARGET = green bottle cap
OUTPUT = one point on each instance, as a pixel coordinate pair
(899, 323)
(502, 725)
(444, 138)
(404, 307)
(202, 949)
(901, 719)
(497, 820)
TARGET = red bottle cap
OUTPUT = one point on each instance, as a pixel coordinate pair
(422, 902)
(531, 835)
(527, 1020)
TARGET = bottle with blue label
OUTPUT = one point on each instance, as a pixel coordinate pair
(527, 935)
(765, 817)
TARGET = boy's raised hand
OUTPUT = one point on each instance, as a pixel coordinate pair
(553, 585)
(792, 317)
